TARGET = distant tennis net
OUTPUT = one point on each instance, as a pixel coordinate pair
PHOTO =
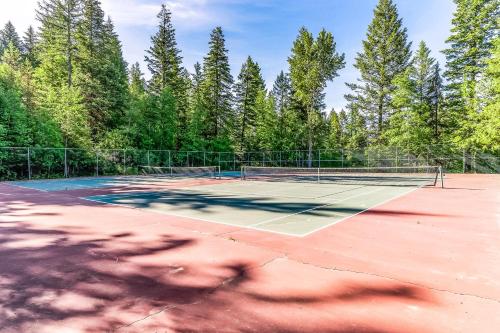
(175, 171)
(384, 176)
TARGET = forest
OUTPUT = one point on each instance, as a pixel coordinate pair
(66, 84)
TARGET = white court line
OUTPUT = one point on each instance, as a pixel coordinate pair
(314, 208)
(364, 210)
(162, 212)
(255, 226)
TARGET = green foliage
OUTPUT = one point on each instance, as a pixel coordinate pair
(29, 45)
(415, 121)
(159, 121)
(165, 64)
(266, 122)
(67, 85)
(8, 35)
(14, 125)
(334, 140)
(487, 129)
(475, 24)
(313, 63)
(249, 85)
(217, 95)
(386, 54)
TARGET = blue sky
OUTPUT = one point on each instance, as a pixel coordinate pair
(264, 29)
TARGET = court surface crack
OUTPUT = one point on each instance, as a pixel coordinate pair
(395, 279)
(203, 296)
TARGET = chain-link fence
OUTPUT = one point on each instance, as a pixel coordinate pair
(41, 163)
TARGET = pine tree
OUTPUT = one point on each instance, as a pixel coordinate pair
(312, 64)
(487, 130)
(386, 53)
(355, 129)
(9, 35)
(137, 105)
(248, 86)
(217, 96)
(165, 64)
(474, 25)
(59, 20)
(14, 123)
(435, 95)
(115, 74)
(334, 140)
(29, 44)
(415, 119)
(197, 113)
(137, 82)
(57, 97)
(266, 122)
(287, 123)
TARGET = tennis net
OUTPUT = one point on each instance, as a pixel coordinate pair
(175, 171)
(384, 176)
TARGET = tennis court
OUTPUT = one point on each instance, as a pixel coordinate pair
(295, 205)
(186, 249)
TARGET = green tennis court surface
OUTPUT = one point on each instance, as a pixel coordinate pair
(291, 208)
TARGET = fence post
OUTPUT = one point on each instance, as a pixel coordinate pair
(124, 162)
(319, 158)
(204, 158)
(29, 164)
(97, 163)
(65, 162)
(169, 159)
(342, 156)
(463, 161)
(187, 159)
(234, 161)
(147, 155)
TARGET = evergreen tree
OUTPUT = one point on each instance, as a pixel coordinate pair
(414, 121)
(30, 40)
(435, 95)
(137, 105)
(137, 82)
(56, 96)
(487, 130)
(266, 122)
(159, 121)
(197, 112)
(217, 96)
(386, 53)
(355, 129)
(115, 74)
(165, 64)
(334, 140)
(474, 25)
(249, 84)
(59, 20)
(287, 119)
(312, 64)
(14, 123)
(9, 35)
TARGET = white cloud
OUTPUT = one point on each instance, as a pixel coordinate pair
(20, 12)
(187, 14)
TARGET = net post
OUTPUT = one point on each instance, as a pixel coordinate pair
(441, 175)
(124, 163)
(29, 163)
(65, 162)
(242, 172)
(97, 163)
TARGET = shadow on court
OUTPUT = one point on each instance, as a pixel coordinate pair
(97, 286)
